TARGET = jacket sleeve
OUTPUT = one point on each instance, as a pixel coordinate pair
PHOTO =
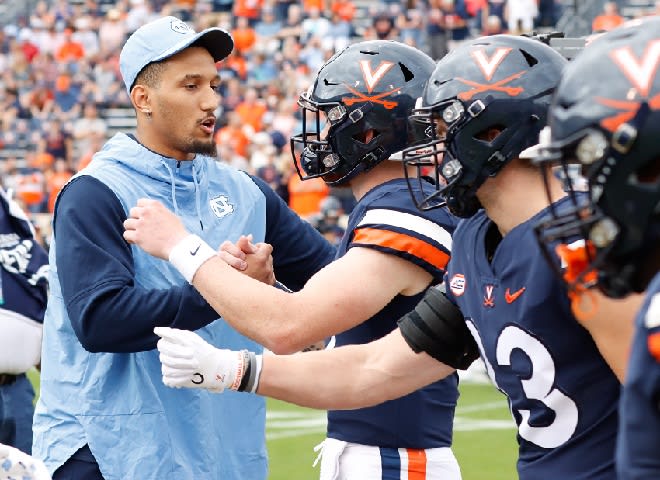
(109, 312)
(299, 251)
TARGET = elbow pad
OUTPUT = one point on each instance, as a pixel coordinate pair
(436, 326)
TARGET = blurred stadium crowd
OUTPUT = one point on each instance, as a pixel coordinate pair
(61, 95)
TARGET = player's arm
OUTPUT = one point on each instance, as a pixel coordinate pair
(343, 294)
(430, 343)
(611, 323)
(109, 310)
(349, 377)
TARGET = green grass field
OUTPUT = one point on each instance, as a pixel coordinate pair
(484, 438)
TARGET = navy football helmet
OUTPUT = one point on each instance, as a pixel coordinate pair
(499, 83)
(355, 115)
(603, 132)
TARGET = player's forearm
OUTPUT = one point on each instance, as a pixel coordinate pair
(612, 327)
(349, 377)
(261, 312)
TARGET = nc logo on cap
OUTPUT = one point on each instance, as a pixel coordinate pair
(181, 27)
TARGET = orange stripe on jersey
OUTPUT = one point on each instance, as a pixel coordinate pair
(416, 464)
(402, 243)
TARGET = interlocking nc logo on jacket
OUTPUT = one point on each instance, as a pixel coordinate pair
(371, 79)
(488, 66)
(641, 73)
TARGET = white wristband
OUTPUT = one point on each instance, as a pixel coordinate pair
(190, 254)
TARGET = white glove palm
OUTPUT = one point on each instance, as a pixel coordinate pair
(189, 361)
(15, 464)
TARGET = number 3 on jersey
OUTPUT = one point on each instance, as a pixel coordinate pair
(538, 386)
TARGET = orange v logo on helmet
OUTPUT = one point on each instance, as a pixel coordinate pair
(488, 67)
(371, 79)
(641, 74)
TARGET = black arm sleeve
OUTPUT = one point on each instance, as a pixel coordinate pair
(436, 326)
(109, 312)
(299, 250)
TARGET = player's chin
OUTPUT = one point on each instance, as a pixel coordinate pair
(204, 147)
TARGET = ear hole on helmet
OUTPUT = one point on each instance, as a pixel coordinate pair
(366, 136)
(407, 74)
(531, 59)
(491, 133)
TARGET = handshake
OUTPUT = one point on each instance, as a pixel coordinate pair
(189, 361)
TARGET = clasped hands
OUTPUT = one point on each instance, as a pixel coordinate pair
(157, 230)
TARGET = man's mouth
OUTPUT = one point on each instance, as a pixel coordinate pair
(208, 125)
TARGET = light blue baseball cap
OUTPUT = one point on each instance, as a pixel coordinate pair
(164, 37)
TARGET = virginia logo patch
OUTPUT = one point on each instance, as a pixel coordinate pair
(489, 301)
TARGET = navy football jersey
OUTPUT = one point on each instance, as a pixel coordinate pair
(562, 394)
(638, 449)
(386, 219)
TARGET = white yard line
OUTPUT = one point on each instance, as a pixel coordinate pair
(287, 424)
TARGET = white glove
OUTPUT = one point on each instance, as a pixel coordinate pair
(189, 361)
(18, 465)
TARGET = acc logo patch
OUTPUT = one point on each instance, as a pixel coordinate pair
(457, 284)
(220, 206)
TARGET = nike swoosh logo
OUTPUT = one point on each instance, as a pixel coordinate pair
(512, 297)
(194, 252)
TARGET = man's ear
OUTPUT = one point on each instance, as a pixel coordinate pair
(141, 99)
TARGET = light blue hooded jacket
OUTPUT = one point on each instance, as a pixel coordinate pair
(105, 390)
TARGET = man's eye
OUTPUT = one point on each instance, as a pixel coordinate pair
(191, 86)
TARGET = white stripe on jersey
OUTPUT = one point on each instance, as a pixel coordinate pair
(409, 222)
(403, 456)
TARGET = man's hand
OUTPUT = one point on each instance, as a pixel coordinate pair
(189, 361)
(153, 228)
(15, 464)
(255, 260)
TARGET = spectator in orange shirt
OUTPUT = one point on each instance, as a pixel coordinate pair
(40, 160)
(344, 8)
(250, 9)
(244, 35)
(30, 190)
(70, 51)
(607, 20)
(305, 196)
(233, 134)
(309, 5)
(237, 63)
(55, 181)
(251, 110)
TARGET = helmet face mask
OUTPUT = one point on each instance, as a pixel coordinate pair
(492, 108)
(317, 158)
(608, 131)
(359, 106)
